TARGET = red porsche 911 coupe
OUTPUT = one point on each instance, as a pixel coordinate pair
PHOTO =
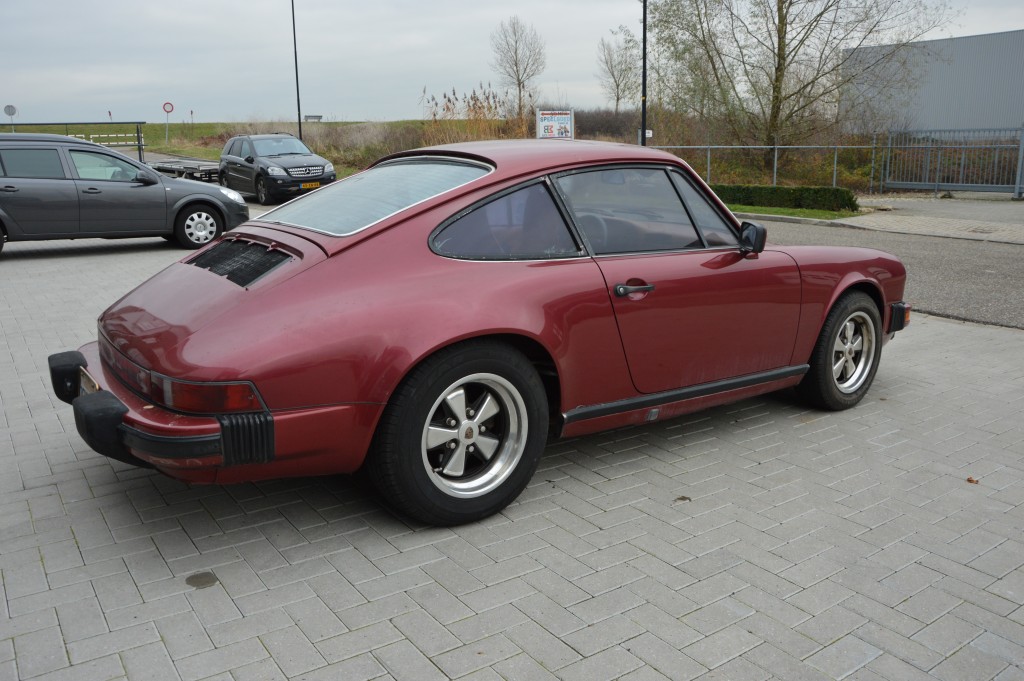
(439, 317)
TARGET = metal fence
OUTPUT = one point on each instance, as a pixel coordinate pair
(937, 160)
(817, 164)
(989, 160)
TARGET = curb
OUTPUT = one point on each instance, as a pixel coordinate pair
(846, 225)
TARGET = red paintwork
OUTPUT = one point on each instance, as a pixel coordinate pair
(327, 337)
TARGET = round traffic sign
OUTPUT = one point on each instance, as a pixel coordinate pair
(168, 107)
(10, 110)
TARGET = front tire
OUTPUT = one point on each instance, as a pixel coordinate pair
(197, 225)
(846, 356)
(462, 435)
(262, 193)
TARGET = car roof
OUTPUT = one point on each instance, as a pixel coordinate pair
(268, 135)
(42, 137)
(511, 157)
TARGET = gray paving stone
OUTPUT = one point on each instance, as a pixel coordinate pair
(805, 529)
(844, 657)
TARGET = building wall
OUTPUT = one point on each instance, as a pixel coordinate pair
(969, 82)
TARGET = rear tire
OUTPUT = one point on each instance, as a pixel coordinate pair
(197, 225)
(846, 356)
(462, 435)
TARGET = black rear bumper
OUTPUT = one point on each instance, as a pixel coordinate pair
(244, 438)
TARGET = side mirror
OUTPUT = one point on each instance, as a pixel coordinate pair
(249, 159)
(142, 177)
(752, 237)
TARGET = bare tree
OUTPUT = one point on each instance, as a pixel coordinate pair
(519, 57)
(618, 63)
(774, 71)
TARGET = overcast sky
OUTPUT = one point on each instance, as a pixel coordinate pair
(231, 60)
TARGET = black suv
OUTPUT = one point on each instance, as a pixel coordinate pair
(57, 187)
(272, 166)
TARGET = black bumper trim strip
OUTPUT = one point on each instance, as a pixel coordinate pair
(170, 447)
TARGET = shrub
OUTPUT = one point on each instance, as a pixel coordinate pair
(821, 198)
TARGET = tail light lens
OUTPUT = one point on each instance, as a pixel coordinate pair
(186, 396)
(203, 398)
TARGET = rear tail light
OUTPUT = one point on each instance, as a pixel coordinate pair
(203, 398)
(186, 396)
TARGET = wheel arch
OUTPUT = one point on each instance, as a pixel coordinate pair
(192, 201)
(533, 350)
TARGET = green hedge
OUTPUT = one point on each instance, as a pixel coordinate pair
(822, 198)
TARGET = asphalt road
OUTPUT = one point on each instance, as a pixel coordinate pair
(976, 281)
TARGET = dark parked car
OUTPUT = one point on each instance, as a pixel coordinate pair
(439, 317)
(56, 187)
(272, 167)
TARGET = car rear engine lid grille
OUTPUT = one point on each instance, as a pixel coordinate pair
(306, 171)
(240, 261)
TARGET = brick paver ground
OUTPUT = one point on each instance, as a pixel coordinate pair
(757, 541)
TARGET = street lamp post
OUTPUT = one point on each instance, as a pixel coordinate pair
(295, 46)
(643, 83)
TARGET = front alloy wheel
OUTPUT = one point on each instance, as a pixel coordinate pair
(845, 358)
(462, 434)
(262, 193)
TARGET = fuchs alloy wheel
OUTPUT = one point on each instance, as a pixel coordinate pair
(262, 193)
(846, 356)
(462, 435)
(197, 226)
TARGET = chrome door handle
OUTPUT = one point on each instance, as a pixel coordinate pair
(91, 190)
(9, 189)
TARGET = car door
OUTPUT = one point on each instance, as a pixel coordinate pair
(37, 197)
(112, 201)
(232, 164)
(691, 309)
(245, 168)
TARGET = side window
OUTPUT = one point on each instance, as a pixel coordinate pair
(522, 225)
(628, 210)
(35, 163)
(236, 148)
(246, 149)
(92, 166)
(713, 226)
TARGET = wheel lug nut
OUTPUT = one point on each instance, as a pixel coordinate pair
(483, 429)
(452, 423)
(470, 413)
(453, 445)
(471, 449)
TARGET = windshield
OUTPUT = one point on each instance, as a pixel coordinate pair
(359, 201)
(278, 146)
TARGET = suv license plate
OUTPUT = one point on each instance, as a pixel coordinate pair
(310, 185)
(86, 383)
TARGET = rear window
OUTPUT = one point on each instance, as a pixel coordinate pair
(35, 163)
(362, 200)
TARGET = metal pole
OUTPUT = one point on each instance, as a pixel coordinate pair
(835, 166)
(871, 180)
(138, 141)
(643, 82)
(709, 165)
(775, 165)
(295, 47)
(1018, 192)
